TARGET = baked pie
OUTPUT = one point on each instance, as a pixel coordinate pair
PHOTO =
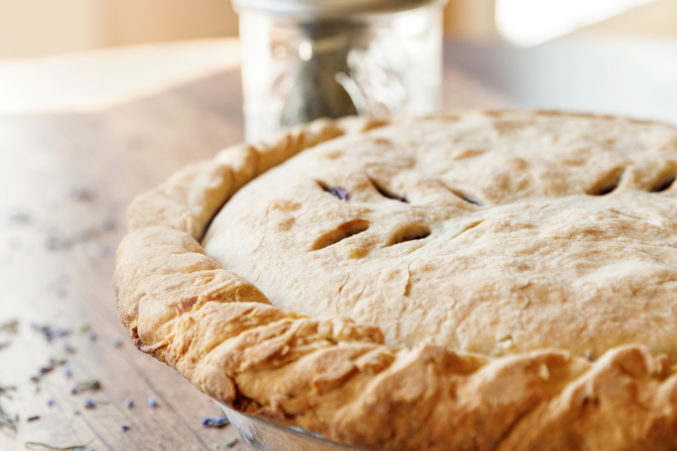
(496, 279)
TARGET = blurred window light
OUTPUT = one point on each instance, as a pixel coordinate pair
(531, 22)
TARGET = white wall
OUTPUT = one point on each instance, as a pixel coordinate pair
(40, 27)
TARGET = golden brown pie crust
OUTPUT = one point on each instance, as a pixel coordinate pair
(338, 378)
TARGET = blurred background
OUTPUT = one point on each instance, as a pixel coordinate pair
(38, 27)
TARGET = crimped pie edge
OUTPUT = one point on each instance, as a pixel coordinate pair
(337, 378)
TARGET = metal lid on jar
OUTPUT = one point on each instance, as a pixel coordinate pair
(328, 7)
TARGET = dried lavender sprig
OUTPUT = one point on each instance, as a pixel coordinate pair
(6, 419)
(53, 363)
(50, 332)
(58, 448)
(10, 326)
(91, 384)
(5, 389)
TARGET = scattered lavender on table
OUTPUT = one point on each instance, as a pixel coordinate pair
(89, 403)
(124, 427)
(152, 402)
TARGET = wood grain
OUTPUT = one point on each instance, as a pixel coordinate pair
(65, 181)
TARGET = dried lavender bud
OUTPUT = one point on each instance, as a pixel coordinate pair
(91, 336)
(231, 443)
(340, 192)
(108, 224)
(33, 418)
(336, 191)
(124, 427)
(116, 342)
(152, 402)
(50, 402)
(81, 193)
(50, 332)
(89, 403)
(129, 403)
(67, 371)
(217, 422)
(20, 216)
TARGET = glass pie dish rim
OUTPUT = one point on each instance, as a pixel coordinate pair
(255, 423)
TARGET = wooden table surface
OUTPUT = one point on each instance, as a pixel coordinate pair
(81, 135)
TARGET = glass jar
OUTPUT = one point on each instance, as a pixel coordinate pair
(306, 59)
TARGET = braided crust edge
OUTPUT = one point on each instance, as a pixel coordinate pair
(337, 378)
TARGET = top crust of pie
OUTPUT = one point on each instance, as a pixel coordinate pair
(476, 233)
(530, 240)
